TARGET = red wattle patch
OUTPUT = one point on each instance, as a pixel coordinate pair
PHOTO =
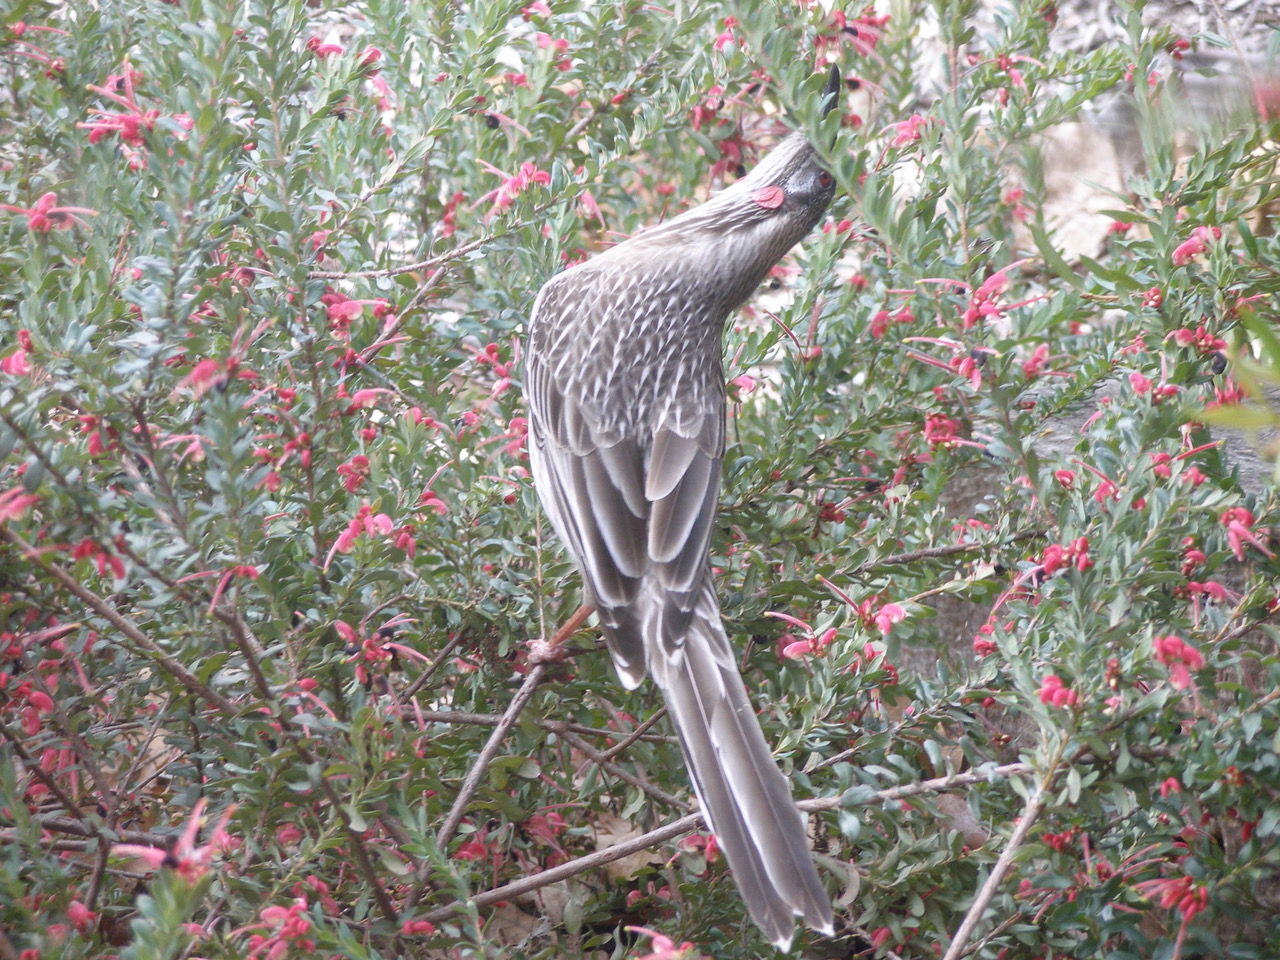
(769, 197)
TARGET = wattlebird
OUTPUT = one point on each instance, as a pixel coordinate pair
(625, 386)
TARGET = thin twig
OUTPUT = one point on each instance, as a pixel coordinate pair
(574, 867)
(555, 726)
(640, 783)
(932, 553)
(974, 915)
(936, 785)
(35, 768)
(436, 664)
(453, 254)
(83, 828)
(694, 821)
(491, 748)
(638, 734)
(494, 744)
(1000, 928)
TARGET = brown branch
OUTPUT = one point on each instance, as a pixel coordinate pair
(429, 263)
(936, 785)
(640, 783)
(436, 664)
(694, 821)
(83, 828)
(121, 623)
(974, 915)
(487, 754)
(555, 726)
(639, 734)
(930, 553)
(574, 867)
(35, 769)
(50, 467)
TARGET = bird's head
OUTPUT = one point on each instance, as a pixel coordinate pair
(790, 185)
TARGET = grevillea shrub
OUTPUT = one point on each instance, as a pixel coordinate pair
(1004, 592)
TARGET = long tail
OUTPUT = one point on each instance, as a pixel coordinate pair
(744, 795)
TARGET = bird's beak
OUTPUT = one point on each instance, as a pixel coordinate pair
(831, 96)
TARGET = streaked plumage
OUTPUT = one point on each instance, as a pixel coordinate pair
(626, 395)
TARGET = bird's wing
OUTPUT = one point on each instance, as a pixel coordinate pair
(635, 512)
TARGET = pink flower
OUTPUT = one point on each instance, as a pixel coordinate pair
(289, 926)
(1055, 693)
(354, 472)
(46, 215)
(81, 917)
(14, 503)
(727, 37)
(814, 646)
(1181, 894)
(940, 431)
(1204, 342)
(513, 186)
(189, 861)
(886, 616)
(1239, 524)
(983, 645)
(1194, 245)
(133, 124)
(1180, 657)
(908, 131)
(1035, 366)
(430, 501)
(664, 948)
(204, 376)
(322, 49)
(365, 398)
(365, 521)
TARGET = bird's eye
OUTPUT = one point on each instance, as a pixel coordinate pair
(825, 179)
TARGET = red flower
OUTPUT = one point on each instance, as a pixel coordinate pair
(1194, 245)
(1200, 338)
(983, 645)
(290, 925)
(1055, 693)
(190, 862)
(46, 215)
(727, 37)
(908, 131)
(14, 503)
(1239, 524)
(322, 49)
(664, 948)
(513, 186)
(1180, 657)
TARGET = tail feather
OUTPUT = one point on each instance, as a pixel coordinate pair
(746, 799)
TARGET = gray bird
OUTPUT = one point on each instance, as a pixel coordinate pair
(626, 393)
